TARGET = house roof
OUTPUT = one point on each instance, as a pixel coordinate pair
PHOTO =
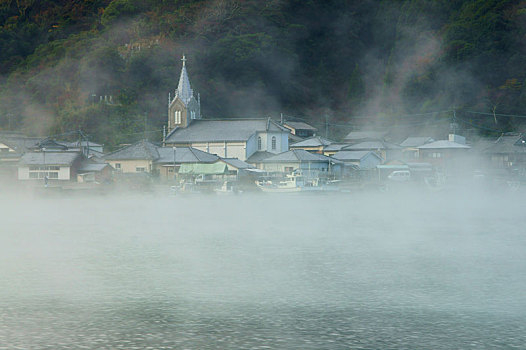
(88, 166)
(216, 130)
(372, 145)
(184, 155)
(259, 156)
(298, 155)
(77, 144)
(299, 126)
(416, 141)
(353, 155)
(508, 143)
(314, 141)
(443, 144)
(237, 163)
(337, 146)
(139, 150)
(49, 158)
(365, 135)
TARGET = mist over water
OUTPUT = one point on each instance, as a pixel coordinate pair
(360, 271)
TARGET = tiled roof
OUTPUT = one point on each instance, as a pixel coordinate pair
(237, 163)
(300, 126)
(184, 155)
(140, 150)
(443, 144)
(49, 158)
(353, 155)
(259, 156)
(216, 130)
(297, 155)
(372, 145)
(365, 135)
(314, 141)
(416, 141)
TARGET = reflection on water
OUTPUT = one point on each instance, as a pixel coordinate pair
(280, 272)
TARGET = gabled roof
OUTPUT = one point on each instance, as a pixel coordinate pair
(337, 146)
(508, 143)
(372, 145)
(354, 155)
(299, 126)
(259, 156)
(237, 163)
(139, 150)
(184, 155)
(314, 141)
(356, 136)
(443, 144)
(217, 130)
(49, 158)
(297, 155)
(88, 166)
(416, 141)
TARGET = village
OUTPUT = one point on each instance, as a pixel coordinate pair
(197, 154)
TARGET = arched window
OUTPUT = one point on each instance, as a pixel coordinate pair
(259, 143)
(177, 117)
(273, 142)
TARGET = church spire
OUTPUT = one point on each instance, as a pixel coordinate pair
(184, 90)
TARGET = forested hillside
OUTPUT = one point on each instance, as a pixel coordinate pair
(324, 60)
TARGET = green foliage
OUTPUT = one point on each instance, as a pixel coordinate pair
(250, 57)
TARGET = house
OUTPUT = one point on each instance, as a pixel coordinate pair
(366, 135)
(334, 148)
(444, 154)
(388, 151)
(136, 158)
(90, 171)
(300, 129)
(508, 151)
(231, 138)
(55, 166)
(312, 164)
(364, 160)
(170, 158)
(227, 138)
(314, 144)
(410, 146)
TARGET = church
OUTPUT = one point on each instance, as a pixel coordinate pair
(228, 138)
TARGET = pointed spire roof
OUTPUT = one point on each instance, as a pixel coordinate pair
(184, 90)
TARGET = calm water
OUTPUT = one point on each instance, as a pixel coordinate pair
(264, 272)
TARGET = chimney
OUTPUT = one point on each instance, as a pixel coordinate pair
(457, 138)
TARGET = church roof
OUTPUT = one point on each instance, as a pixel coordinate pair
(217, 130)
(184, 90)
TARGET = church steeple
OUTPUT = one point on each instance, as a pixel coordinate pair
(184, 90)
(183, 107)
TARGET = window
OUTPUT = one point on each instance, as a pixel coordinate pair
(177, 117)
(118, 166)
(42, 171)
(289, 169)
(140, 169)
(273, 142)
(259, 143)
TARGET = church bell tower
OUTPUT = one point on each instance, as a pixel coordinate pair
(183, 107)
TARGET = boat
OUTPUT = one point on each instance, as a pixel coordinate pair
(294, 182)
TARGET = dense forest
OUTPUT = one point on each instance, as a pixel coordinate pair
(107, 67)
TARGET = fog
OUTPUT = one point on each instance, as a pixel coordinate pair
(363, 271)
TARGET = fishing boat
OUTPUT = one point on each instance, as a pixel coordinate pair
(294, 182)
